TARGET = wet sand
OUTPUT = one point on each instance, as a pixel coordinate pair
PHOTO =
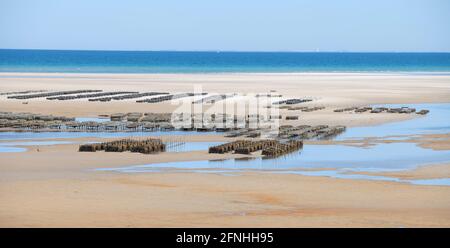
(58, 186)
(329, 90)
(421, 172)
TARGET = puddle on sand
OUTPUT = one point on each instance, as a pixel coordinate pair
(190, 146)
(340, 175)
(12, 146)
(170, 146)
(381, 157)
(378, 158)
(434, 181)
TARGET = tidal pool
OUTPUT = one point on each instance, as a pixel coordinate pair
(382, 157)
(190, 146)
(184, 146)
(94, 119)
(348, 160)
(436, 121)
(339, 174)
(71, 135)
(378, 158)
(12, 146)
(35, 143)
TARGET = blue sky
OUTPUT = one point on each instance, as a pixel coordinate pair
(238, 25)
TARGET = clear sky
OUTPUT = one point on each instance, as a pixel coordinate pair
(238, 25)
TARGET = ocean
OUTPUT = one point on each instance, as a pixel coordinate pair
(218, 62)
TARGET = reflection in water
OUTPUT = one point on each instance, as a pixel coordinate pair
(12, 146)
(437, 121)
(94, 119)
(190, 146)
(11, 149)
(342, 175)
(36, 143)
(381, 157)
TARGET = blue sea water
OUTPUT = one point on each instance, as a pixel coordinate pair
(217, 62)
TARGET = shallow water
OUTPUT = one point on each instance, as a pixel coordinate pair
(378, 158)
(435, 181)
(190, 146)
(436, 121)
(12, 60)
(35, 143)
(340, 175)
(12, 149)
(185, 146)
(12, 146)
(70, 135)
(94, 119)
(170, 146)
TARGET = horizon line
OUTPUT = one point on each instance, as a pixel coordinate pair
(225, 51)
